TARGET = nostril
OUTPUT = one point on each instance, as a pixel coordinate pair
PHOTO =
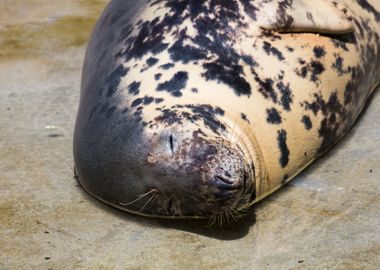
(223, 179)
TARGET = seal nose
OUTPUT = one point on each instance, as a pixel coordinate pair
(223, 179)
(224, 183)
(227, 187)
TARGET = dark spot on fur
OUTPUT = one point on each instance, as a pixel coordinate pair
(286, 95)
(307, 122)
(167, 66)
(149, 39)
(208, 114)
(114, 79)
(330, 127)
(368, 7)
(175, 84)
(134, 88)
(228, 74)
(313, 69)
(273, 117)
(338, 64)
(205, 113)
(244, 117)
(266, 87)
(310, 17)
(169, 117)
(137, 102)
(289, 49)
(319, 52)
(185, 53)
(148, 100)
(249, 61)
(284, 158)
(284, 20)
(269, 49)
(316, 68)
(151, 61)
(157, 76)
(339, 44)
(249, 8)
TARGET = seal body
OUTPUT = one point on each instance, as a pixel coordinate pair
(201, 108)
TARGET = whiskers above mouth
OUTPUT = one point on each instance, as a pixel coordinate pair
(151, 195)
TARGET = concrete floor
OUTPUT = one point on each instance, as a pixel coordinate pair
(327, 218)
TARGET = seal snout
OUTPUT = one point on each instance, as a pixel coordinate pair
(194, 176)
(226, 189)
(227, 183)
(171, 173)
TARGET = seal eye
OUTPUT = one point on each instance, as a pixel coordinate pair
(171, 142)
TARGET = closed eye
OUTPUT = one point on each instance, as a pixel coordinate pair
(171, 143)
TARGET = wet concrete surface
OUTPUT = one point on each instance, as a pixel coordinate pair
(327, 218)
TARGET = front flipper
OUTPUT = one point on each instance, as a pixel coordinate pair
(321, 16)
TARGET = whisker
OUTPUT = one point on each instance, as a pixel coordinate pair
(150, 199)
(221, 139)
(227, 214)
(233, 216)
(211, 221)
(138, 198)
(233, 128)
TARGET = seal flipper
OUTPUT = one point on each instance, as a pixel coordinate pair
(322, 16)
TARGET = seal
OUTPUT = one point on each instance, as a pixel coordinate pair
(199, 109)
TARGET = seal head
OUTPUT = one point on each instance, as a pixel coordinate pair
(171, 168)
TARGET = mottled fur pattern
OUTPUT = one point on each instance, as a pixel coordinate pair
(165, 82)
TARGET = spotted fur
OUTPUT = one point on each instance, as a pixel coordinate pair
(233, 93)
